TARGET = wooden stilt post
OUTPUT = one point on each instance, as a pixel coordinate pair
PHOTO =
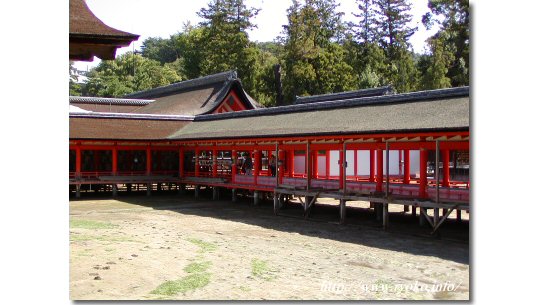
(256, 197)
(114, 190)
(149, 185)
(215, 193)
(414, 211)
(342, 211)
(422, 217)
(77, 194)
(234, 195)
(196, 191)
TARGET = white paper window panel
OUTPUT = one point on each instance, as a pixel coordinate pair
(299, 164)
(335, 169)
(414, 157)
(322, 166)
(363, 160)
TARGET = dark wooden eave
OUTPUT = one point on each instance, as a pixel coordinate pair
(89, 36)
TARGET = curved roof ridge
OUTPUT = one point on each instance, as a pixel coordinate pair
(377, 91)
(325, 105)
(187, 84)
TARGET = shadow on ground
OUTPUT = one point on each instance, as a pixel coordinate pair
(404, 233)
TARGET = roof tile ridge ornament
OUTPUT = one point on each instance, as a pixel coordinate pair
(186, 84)
(367, 92)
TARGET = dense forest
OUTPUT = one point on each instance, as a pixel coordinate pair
(316, 53)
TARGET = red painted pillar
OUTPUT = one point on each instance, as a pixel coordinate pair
(423, 172)
(355, 164)
(181, 162)
(281, 161)
(315, 164)
(379, 176)
(214, 162)
(148, 160)
(78, 161)
(446, 167)
(328, 163)
(114, 160)
(372, 165)
(341, 167)
(292, 163)
(234, 165)
(257, 165)
(407, 167)
(196, 163)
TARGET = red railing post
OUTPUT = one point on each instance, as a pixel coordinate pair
(78, 162)
(234, 165)
(372, 165)
(379, 176)
(148, 160)
(407, 167)
(446, 167)
(181, 162)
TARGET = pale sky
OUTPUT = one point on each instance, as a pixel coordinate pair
(162, 18)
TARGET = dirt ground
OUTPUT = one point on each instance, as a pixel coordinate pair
(176, 247)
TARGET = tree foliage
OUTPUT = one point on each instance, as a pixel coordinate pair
(127, 74)
(317, 52)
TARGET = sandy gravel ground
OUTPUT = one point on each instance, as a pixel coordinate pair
(172, 247)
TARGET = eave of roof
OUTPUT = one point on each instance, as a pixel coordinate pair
(345, 95)
(132, 116)
(326, 105)
(108, 101)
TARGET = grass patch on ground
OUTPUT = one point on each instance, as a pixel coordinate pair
(197, 267)
(188, 283)
(204, 245)
(84, 237)
(90, 224)
(260, 269)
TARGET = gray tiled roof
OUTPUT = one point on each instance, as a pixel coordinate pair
(185, 85)
(435, 110)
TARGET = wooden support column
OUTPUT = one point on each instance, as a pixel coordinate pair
(372, 165)
(446, 168)
(234, 166)
(234, 195)
(423, 173)
(77, 192)
(214, 161)
(78, 162)
(196, 163)
(379, 176)
(196, 191)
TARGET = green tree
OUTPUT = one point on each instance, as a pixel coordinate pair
(160, 49)
(435, 74)
(393, 19)
(126, 74)
(452, 16)
(74, 87)
(313, 60)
